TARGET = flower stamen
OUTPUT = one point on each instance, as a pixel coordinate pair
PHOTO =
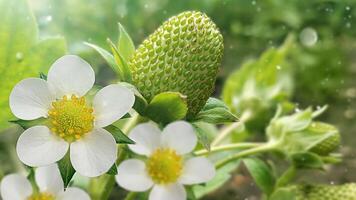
(41, 196)
(71, 118)
(164, 166)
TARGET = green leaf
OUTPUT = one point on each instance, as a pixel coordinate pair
(202, 135)
(22, 55)
(216, 112)
(261, 173)
(223, 175)
(25, 124)
(307, 160)
(119, 136)
(140, 102)
(112, 170)
(125, 45)
(66, 169)
(167, 107)
(121, 62)
(108, 57)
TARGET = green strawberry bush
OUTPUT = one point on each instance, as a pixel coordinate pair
(168, 81)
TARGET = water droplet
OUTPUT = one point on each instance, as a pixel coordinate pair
(19, 56)
(348, 25)
(308, 36)
(48, 18)
(278, 67)
(347, 8)
(253, 2)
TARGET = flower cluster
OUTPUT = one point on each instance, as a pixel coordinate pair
(74, 125)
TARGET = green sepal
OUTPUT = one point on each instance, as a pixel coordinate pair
(215, 111)
(307, 160)
(125, 45)
(203, 138)
(167, 107)
(119, 136)
(121, 62)
(25, 124)
(108, 57)
(66, 169)
(43, 76)
(112, 170)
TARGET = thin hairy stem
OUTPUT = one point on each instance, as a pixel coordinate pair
(229, 129)
(259, 149)
(245, 145)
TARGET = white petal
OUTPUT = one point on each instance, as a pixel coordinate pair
(49, 179)
(171, 192)
(30, 99)
(111, 103)
(180, 136)
(197, 170)
(146, 137)
(73, 193)
(132, 176)
(70, 75)
(15, 187)
(37, 146)
(94, 154)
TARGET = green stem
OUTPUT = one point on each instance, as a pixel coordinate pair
(229, 129)
(259, 149)
(226, 147)
(131, 196)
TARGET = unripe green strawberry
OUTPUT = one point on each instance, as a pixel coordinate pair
(327, 192)
(183, 55)
(328, 144)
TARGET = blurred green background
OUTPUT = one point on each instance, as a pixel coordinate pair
(322, 60)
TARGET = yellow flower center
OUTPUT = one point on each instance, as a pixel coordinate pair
(164, 166)
(41, 196)
(71, 118)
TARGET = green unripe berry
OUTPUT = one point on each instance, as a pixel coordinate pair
(327, 192)
(183, 55)
(316, 192)
(327, 144)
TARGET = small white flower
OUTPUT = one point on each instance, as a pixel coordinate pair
(71, 121)
(50, 184)
(165, 168)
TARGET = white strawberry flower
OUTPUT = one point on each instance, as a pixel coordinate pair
(165, 170)
(72, 123)
(50, 185)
